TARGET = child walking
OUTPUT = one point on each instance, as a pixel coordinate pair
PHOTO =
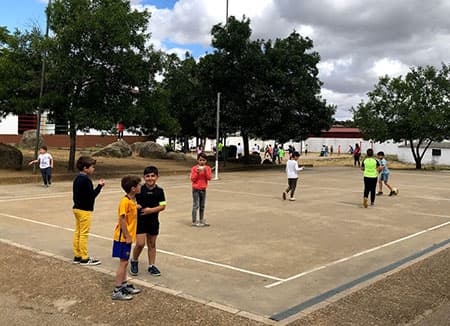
(371, 167)
(45, 161)
(200, 175)
(124, 236)
(384, 176)
(292, 169)
(152, 200)
(84, 196)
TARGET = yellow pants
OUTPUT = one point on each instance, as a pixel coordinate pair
(80, 238)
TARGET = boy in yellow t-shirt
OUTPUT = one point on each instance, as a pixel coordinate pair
(125, 235)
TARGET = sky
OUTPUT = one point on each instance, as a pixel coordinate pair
(358, 41)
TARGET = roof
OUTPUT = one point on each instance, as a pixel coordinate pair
(337, 132)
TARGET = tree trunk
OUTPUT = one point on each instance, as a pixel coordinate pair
(73, 146)
(246, 146)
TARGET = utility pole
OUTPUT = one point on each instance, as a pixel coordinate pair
(41, 92)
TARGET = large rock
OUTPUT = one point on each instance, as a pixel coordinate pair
(29, 139)
(135, 147)
(10, 157)
(119, 148)
(152, 150)
(179, 156)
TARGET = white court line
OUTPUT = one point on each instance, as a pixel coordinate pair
(198, 260)
(356, 255)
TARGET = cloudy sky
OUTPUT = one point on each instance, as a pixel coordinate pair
(358, 41)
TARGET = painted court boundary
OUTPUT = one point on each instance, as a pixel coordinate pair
(326, 295)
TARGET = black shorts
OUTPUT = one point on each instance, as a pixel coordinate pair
(148, 225)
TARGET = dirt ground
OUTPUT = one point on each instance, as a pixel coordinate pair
(41, 290)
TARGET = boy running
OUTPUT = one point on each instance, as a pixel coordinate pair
(292, 169)
(384, 176)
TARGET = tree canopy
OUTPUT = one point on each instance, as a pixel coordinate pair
(415, 108)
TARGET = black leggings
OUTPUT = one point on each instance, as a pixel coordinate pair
(370, 185)
(292, 184)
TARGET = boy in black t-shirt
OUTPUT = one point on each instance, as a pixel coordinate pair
(152, 200)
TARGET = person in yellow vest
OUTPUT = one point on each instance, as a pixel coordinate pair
(371, 167)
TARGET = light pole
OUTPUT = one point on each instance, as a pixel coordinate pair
(226, 12)
(216, 174)
(41, 92)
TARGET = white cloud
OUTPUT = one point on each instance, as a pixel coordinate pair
(389, 67)
(358, 41)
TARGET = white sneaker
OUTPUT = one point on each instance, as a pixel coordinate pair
(292, 198)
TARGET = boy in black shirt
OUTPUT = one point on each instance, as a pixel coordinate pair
(84, 196)
(152, 200)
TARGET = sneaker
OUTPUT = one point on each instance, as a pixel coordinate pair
(292, 199)
(366, 202)
(372, 203)
(392, 193)
(76, 260)
(153, 270)
(130, 289)
(134, 268)
(204, 224)
(194, 223)
(90, 262)
(120, 295)
(197, 224)
(379, 193)
(284, 195)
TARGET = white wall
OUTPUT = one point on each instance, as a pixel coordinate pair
(9, 125)
(405, 155)
(315, 145)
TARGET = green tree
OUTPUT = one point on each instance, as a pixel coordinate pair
(20, 70)
(415, 108)
(269, 90)
(99, 52)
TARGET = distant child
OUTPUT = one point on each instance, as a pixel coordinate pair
(124, 236)
(357, 155)
(281, 153)
(200, 175)
(152, 200)
(292, 169)
(384, 176)
(84, 196)
(45, 161)
(371, 167)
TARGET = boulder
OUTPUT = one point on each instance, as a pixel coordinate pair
(152, 150)
(135, 147)
(29, 139)
(179, 156)
(254, 159)
(10, 157)
(119, 149)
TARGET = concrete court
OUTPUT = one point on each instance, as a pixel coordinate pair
(261, 254)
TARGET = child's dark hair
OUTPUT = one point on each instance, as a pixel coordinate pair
(43, 147)
(296, 154)
(129, 181)
(202, 155)
(85, 162)
(151, 169)
(380, 153)
(370, 152)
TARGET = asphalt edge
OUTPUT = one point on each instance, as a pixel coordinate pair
(142, 283)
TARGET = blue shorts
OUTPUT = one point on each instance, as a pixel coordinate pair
(384, 177)
(121, 250)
